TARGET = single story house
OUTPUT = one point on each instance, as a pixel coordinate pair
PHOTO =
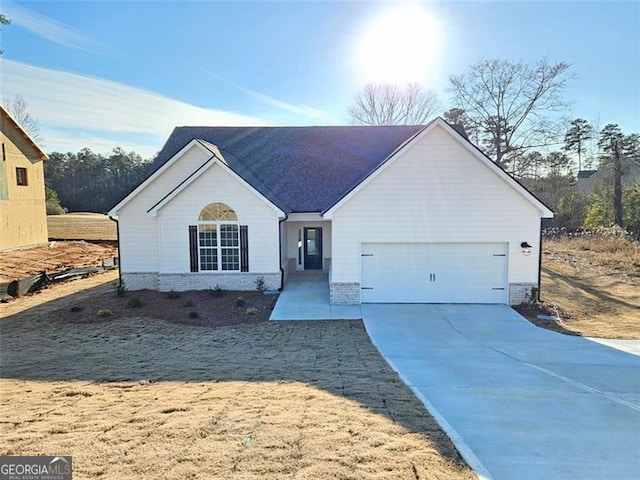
(588, 180)
(403, 214)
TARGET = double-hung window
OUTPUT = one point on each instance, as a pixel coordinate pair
(219, 238)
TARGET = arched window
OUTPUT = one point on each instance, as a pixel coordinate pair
(219, 238)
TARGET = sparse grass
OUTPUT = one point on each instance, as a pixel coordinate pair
(274, 400)
(618, 254)
(81, 226)
(595, 285)
(104, 312)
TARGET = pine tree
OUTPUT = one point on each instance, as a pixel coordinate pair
(578, 134)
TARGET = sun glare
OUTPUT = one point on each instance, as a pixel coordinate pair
(399, 46)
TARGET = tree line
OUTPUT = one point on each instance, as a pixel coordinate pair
(91, 182)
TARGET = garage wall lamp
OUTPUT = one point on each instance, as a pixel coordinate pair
(526, 248)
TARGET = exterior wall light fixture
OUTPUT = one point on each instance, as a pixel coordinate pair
(526, 249)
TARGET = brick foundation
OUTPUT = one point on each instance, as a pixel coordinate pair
(520, 292)
(140, 281)
(181, 282)
(344, 293)
(204, 281)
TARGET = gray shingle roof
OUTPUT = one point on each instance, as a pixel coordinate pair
(299, 169)
(586, 173)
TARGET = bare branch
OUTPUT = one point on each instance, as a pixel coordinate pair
(508, 102)
(19, 110)
(388, 104)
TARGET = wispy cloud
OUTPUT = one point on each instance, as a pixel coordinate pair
(310, 112)
(51, 29)
(70, 102)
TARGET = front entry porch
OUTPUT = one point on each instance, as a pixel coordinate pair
(305, 296)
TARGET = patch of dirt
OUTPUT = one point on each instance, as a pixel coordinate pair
(197, 308)
(54, 257)
(531, 311)
(252, 400)
(595, 290)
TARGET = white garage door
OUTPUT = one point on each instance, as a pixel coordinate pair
(434, 273)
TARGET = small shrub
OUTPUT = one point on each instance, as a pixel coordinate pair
(187, 304)
(120, 289)
(134, 303)
(54, 208)
(75, 309)
(217, 291)
(172, 295)
(533, 295)
(251, 311)
(240, 302)
(104, 312)
(260, 285)
(194, 315)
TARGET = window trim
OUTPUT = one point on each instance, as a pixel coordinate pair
(220, 260)
(219, 247)
(22, 174)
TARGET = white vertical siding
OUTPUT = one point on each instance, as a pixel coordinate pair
(435, 192)
(216, 185)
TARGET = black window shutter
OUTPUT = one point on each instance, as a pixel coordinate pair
(244, 248)
(193, 247)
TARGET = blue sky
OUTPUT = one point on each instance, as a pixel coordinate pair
(107, 73)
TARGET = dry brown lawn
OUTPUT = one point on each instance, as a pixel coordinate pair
(81, 226)
(595, 284)
(131, 396)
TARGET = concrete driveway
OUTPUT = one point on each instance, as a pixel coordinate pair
(518, 401)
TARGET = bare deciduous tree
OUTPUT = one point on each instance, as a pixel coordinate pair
(19, 110)
(389, 104)
(507, 102)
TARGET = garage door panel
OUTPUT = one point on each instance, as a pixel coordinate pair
(434, 273)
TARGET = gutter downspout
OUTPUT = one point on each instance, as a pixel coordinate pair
(540, 263)
(286, 216)
(119, 256)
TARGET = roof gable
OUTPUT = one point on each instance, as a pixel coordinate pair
(299, 169)
(157, 172)
(462, 140)
(216, 159)
(7, 122)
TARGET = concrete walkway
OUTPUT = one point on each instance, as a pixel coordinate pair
(305, 296)
(519, 401)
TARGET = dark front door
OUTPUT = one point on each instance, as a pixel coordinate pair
(313, 248)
